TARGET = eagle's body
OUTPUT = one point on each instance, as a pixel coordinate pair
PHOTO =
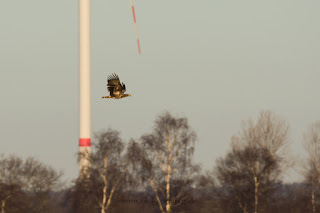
(116, 88)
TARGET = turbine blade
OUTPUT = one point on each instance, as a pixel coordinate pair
(135, 26)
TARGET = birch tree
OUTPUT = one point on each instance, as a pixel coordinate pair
(243, 173)
(269, 132)
(167, 160)
(108, 167)
(312, 168)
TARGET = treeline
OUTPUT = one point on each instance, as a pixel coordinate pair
(157, 173)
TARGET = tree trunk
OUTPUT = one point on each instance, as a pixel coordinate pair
(105, 187)
(103, 209)
(157, 196)
(3, 205)
(168, 206)
(312, 199)
(256, 185)
(104, 199)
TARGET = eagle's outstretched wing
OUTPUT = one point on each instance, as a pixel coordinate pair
(113, 83)
(113, 80)
(116, 88)
(123, 87)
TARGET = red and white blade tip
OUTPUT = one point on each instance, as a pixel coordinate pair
(135, 26)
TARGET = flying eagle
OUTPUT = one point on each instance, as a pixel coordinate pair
(116, 88)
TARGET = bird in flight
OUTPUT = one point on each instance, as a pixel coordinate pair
(116, 88)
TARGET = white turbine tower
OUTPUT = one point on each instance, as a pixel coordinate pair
(84, 85)
(84, 82)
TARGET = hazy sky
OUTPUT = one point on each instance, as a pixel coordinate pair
(215, 62)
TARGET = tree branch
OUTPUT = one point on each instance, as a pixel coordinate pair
(156, 193)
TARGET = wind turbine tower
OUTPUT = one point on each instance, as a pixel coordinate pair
(84, 86)
(84, 82)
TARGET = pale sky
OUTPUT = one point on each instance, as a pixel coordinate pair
(215, 62)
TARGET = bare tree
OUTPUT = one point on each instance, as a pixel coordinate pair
(312, 169)
(268, 136)
(108, 166)
(10, 179)
(243, 173)
(40, 180)
(269, 132)
(18, 177)
(166, 156)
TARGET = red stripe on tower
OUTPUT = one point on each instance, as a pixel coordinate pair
(84, 142)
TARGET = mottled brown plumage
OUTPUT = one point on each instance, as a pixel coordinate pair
(116, 88)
